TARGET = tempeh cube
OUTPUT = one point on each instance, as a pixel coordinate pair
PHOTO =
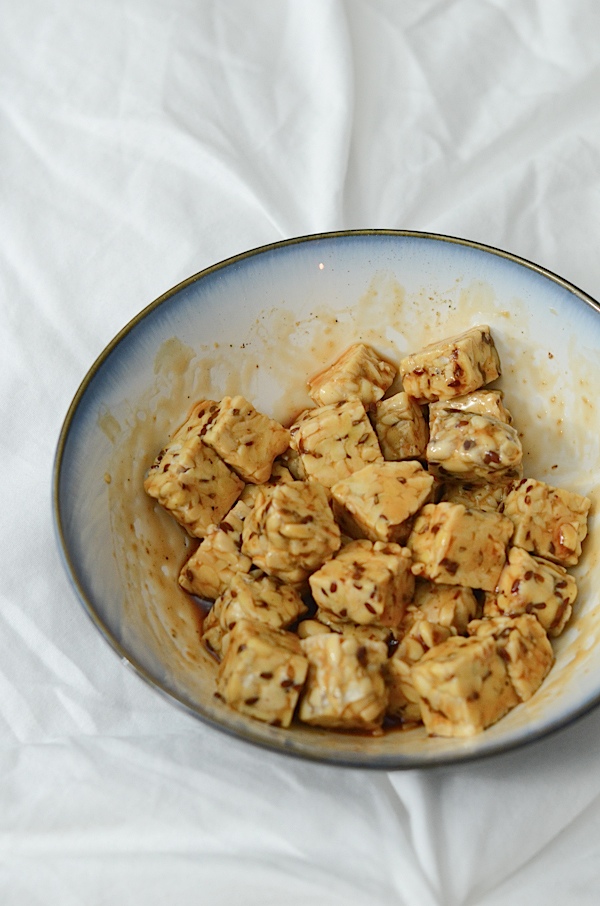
(403, 701)
(549, 521)
(245, 439)
(344, 687)
(252, 596)
(479, 402)
(280, 474)
(456, 546)
(378, 501)
(463, 686)
(373, 631)
(359, 373)
(401, 428)
(524, 646)
(190, 480)
(209, 570)
(366, 583)
(291, 531)
(530, 584)
(473, 447)
(334, 441)
(447, 605)
(262, 672)
(475, 495)
(451, 367)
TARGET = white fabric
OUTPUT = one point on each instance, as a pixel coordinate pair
(141, 140)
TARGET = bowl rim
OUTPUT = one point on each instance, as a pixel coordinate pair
(384, 761)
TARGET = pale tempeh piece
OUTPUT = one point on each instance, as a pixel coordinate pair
(549, 521)
(473, 447)
(530, 584)
(453, 606)
(344, 687)
(262, 672)
(378, 501)
(280, 474)
(291, 531)
(190, 480)
(366, 583)
(474, 495)
(334, 441)
(256, 597)
(456, 546)
(331, 623)
(479, 402)
(524, 646)
(451, 367)
(422, 636)
(210, 569)
(463, 686)
(401, 428)
(359, 373)
(245, 439)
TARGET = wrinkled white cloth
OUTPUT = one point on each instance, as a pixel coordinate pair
(140, 141)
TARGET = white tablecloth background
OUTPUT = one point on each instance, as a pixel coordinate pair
(141, 140)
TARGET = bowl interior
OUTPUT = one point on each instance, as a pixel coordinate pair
(260, 324)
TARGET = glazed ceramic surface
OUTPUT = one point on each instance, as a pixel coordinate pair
(260, 324)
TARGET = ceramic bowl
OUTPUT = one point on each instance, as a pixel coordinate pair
(259, 324)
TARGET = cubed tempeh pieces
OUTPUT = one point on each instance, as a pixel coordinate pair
(245, 439)
(280, 474)
(252, 596)
(422, 636)
(473, 447)
(291, 531)
(190, 480)
(451, 367)
(530, 584)
(345, 688)
(453, 606)
(366, 583)
(334, 441)
(219, 557)
(550, 522)
(401, 428)
(475, 495)
(457, 546)
(479, 402)
(523, 645)
(378, 501)
(262, 672)
(463, 686)
(359, 373)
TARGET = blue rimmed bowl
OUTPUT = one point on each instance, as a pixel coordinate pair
(259, 324)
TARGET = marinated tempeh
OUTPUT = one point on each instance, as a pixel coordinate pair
(549, 521)
(334, 441)
(530, 584)
(345, 688)
(377, 502)
(401, 428)
(291, 531)
(190, 480)
(359, 373)
(458, 546)
(245, 439)
(367, 582)
(451, 367)
(381, 559)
